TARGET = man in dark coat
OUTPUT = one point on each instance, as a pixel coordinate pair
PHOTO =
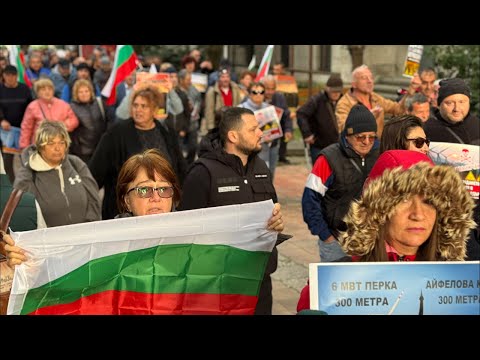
(229, 172)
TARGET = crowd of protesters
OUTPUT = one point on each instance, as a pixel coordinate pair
(65, 133)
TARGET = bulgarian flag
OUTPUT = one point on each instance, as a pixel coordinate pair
(17, 59)
(265, 64)
(125, 62)
(206, 261)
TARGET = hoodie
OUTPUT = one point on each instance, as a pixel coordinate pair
(67, 194)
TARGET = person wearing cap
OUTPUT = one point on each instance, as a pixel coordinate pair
(453, 122)
(316, 118)
(14, 99)
(410, 210)
(337, 178)
(224, 92)
(362, 92)
(35, 68)
(62, 74)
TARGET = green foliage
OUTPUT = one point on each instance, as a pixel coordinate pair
(461, 61)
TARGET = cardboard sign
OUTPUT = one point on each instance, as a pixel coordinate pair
(464, 158)
(286, 84)
(269, 123)
(412, 61)
(200, 81)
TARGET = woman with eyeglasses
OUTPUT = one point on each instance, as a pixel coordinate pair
(147, 185)
(254, 102)
(404, 133)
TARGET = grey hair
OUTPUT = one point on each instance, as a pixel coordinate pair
(182, 74)
(48, 130)
(417, 98)
(359, 69)
(269, 78)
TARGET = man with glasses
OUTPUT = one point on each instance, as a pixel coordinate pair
(337, 178)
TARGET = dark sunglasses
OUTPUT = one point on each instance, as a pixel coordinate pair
(362, 138)
(255, 92)
(147, 191)
(419, 141)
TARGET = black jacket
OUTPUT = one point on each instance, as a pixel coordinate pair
(317, 117)
(439, 129)
(115, 147)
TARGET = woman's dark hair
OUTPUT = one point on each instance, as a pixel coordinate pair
(152, 161)
(396, 130)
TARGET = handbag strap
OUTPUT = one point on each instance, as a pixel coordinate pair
(41, 109)
(455, 135)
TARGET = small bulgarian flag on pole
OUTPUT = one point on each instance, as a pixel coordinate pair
(207, 261)
(125, 62)
(265, 64)
(17, 59)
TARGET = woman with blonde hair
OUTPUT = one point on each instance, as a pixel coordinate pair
(92, 122)
(45, 107)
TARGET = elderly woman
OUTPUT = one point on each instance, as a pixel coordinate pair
(410, 210)
(126, 138)
(91, 116)
(46, 107)
(62, 184)
(404, 133)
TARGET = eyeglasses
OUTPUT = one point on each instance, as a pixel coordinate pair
(147, 191)
(362, 138)
(419, 141)
(257, 92)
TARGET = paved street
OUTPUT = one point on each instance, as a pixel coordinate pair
(294, 254)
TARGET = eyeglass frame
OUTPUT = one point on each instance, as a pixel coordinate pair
(255, 92)
(136, 188)
(422, 140)
(362, 138)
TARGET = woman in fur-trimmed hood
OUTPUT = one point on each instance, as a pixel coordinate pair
(396, 177)
(410, 210)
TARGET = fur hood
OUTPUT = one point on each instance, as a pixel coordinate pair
(440, 184)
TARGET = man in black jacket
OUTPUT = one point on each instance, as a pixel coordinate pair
(316, 118)
(229, 172)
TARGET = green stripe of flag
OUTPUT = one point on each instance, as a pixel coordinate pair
(189, 268)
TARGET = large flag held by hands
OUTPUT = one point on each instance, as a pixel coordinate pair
(206, 261)
(265, 64)
(16, 58)
(125, 62)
